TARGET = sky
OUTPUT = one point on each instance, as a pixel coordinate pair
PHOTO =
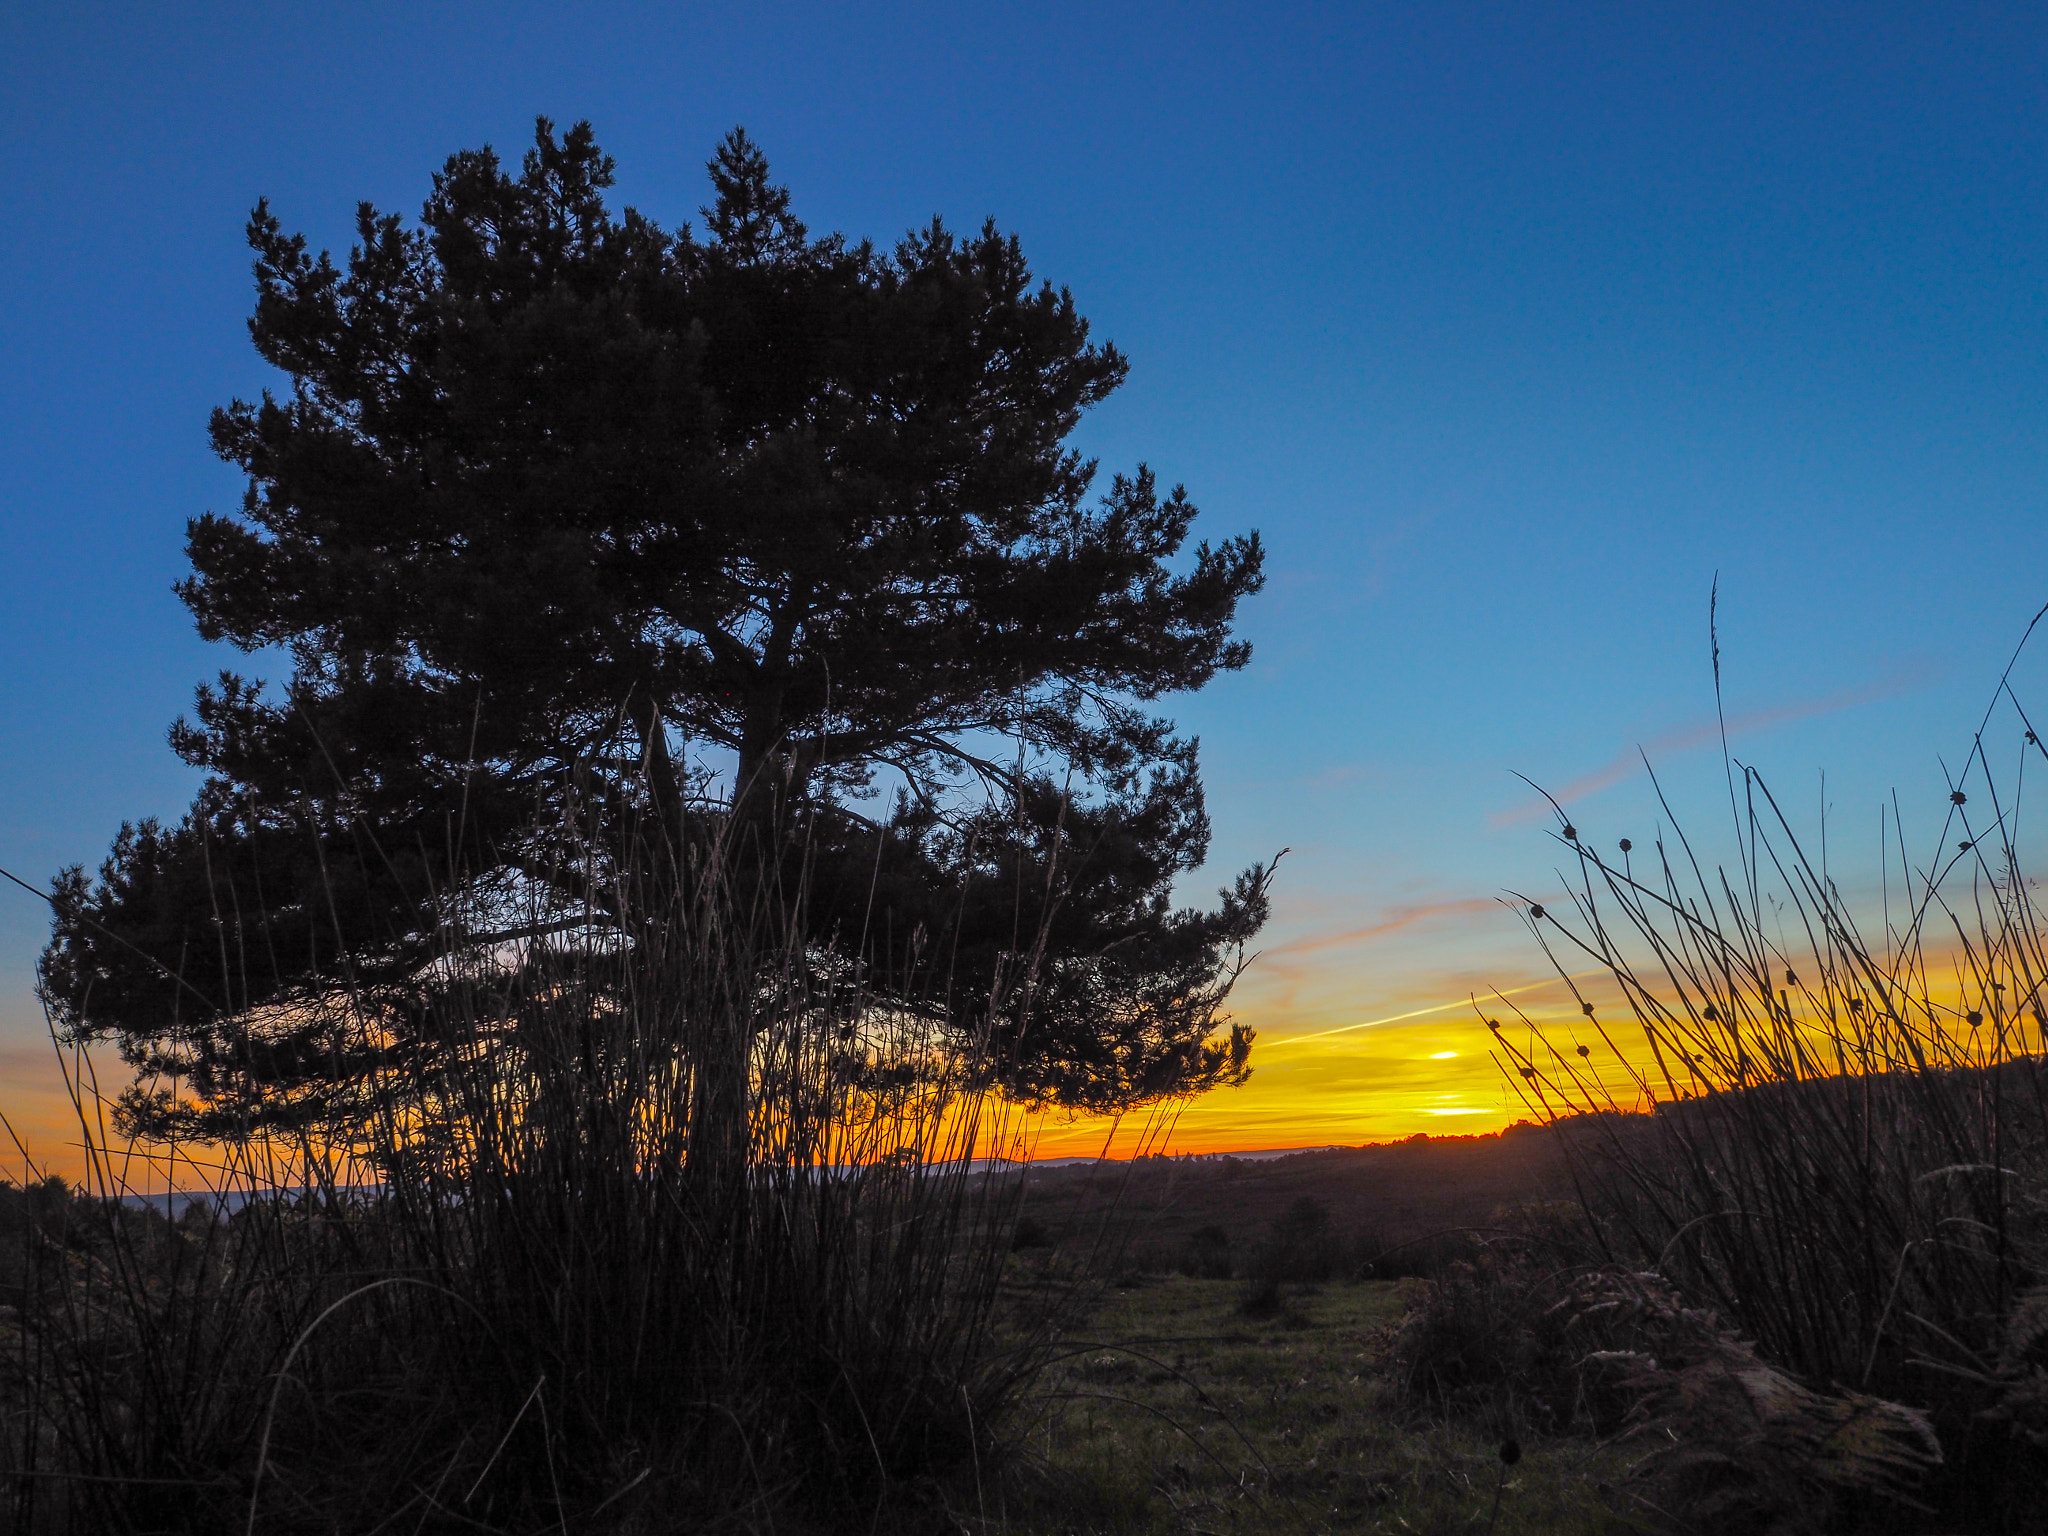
(1512, 328)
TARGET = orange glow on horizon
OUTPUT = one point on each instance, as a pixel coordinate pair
(1419, 1059)
(1430, 1068)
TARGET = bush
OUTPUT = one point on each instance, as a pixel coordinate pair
(1377, 1255)
(1261, 1296)
(1029, 1232)
(1484, 1335)
(1300, 1248)
(1732, 1441)
(1207, 1254)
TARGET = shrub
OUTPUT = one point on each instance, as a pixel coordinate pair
(1300, 1248)
(1483, 1338)
(1730, 1439)
(1207, 1254)
(1029, 1232)
(1376, 1255)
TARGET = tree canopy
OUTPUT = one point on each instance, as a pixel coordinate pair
(560, 506)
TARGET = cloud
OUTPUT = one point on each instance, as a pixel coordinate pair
(1705, 733)
(1334, 778)
(1394, 919)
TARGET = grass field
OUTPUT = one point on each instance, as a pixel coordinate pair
(1170, 1411)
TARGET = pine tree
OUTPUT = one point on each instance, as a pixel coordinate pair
(569, 519)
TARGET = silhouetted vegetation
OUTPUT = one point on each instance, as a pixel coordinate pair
(569, 520)
(586, 1133)
(594, 1103)
(532, 1294)
(1848, 1156)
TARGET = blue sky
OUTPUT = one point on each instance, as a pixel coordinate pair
(1509, 326)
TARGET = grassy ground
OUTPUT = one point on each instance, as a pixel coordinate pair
(1172, 1412)
(1399, 1191)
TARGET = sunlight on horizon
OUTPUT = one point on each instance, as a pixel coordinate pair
(1423, 1063)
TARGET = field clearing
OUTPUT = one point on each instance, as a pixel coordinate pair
(1170, 1411)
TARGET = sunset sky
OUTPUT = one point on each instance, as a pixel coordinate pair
(1509, 326)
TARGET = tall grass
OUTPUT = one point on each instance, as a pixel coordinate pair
(665, 1221)
(1847, 1150)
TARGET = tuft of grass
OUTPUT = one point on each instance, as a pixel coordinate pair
(1833, 1131)
(675, 1225)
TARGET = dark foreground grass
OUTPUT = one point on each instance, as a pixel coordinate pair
(675, 1227)
(1168, 1410)
(1845, 1150)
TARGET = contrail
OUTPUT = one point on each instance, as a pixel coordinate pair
(1416, 1013)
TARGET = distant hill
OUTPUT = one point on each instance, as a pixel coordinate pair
(1401, 1190)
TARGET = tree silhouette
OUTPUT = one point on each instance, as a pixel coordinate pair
(564, 517)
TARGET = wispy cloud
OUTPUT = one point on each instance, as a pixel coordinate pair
(1391, 920)
(1705, 733)
(1335, 778)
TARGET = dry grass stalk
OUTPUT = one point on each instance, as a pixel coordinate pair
(1846, 1153)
